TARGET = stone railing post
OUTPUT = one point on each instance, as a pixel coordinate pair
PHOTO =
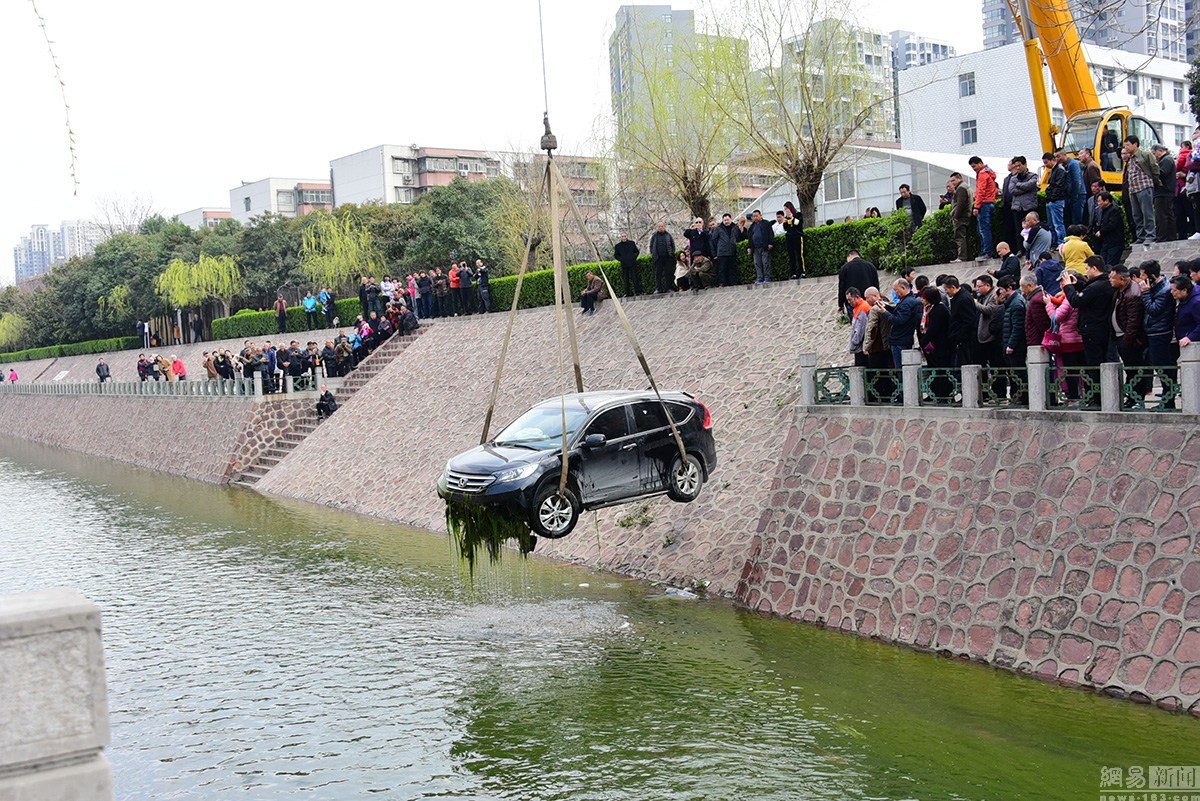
(54, 724)
(1189, 377)
(1037, 368)
(287, 384)
(970, 385)
(910, 375)
(1110, 387)
(808, 386)
(258, 385)
(858, 386)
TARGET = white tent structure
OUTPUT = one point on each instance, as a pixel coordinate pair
(866, 176)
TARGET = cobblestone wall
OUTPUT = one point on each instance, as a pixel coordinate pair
(1064, 547)
(195, 438)
(737, 349)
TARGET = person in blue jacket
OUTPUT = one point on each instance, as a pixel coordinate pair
(310, 311)
(904, 317)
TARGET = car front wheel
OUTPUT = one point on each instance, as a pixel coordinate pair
(554, 513)
(685, 479)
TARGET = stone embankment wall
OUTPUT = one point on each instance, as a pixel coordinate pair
(736, 349)
(206, 439)
(1063, 546)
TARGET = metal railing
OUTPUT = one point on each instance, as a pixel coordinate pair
(221, 388)
(1040, 386)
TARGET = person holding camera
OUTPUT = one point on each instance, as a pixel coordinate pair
(1094, 302)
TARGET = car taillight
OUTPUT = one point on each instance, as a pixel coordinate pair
(707, 416)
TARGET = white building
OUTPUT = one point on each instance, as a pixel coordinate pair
(204, 217)
(982, 102)
(1149, 27)
(401, 173)
(911, 50)
(288, 197)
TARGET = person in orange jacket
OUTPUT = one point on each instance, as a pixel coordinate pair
(985, 204)
(455, 285)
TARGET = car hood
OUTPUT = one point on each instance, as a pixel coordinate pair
(484, 459)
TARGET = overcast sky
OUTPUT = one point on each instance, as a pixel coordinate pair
(179, 102)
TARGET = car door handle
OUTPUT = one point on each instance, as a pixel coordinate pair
(628, 447)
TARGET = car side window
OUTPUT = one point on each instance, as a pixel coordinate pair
(648, 416)
(611, 423)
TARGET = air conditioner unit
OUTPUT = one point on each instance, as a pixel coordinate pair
(406, 180)
(463, 173)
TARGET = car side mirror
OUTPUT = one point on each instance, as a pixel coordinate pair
(594, 441)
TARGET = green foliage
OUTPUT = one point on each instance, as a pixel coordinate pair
(13, 330)
(74, 349)
(248, 323)
(188, 284)
(336, 249)
(455, 220)
(1193, 78)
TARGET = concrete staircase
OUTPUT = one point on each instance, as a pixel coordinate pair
(366, 370)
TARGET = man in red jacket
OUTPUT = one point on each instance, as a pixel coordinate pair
(985, 204)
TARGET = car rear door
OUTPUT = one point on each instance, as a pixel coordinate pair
(611, 471)
(656, 445)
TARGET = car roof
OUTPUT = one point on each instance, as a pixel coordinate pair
(599, 398)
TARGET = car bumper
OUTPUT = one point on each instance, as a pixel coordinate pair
(516, 496)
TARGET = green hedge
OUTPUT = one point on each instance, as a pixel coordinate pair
(73, 349)
(247, 323)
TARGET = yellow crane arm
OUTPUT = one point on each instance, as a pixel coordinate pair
(1049, 31)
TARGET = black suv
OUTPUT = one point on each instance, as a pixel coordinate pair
(619, 446)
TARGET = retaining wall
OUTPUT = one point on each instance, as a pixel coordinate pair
(1059, 545)
(206, 439)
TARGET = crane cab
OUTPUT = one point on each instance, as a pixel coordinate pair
(1104, 131)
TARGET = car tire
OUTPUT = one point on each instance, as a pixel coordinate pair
(553, 514)
(685, 479)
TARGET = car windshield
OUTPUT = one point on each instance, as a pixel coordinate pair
(541, 427)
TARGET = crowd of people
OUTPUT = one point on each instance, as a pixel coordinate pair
(1160, 200)
(709, 253)
(1080, 309)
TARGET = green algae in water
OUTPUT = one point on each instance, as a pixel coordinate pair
(477, 529)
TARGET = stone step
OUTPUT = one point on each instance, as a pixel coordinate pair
(256, 471)
(244, 482)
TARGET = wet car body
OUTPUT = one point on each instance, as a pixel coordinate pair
(620, 449)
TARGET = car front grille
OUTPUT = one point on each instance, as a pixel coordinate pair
(469, 483)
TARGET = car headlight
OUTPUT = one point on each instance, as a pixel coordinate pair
(517, 473)
(446, 473)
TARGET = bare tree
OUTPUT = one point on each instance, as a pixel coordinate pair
(124, 215)
(812, 95)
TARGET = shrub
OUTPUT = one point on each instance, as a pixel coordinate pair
(249, 324)
(72, 349)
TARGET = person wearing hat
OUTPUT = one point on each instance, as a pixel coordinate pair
(1164, 194)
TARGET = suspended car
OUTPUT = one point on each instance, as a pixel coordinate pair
(620, 448)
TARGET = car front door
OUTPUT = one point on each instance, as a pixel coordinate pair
(610, 471)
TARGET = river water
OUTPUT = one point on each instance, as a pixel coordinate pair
(257, 650)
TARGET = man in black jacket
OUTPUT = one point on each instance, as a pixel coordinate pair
(964, 321)
(911, 203)
(1057, 189)
(1094, 302)
(857, 272)
(1010, 264)
(724, 239)
(626, 252)
(483, 284)
(662, 251)
(327, 404)
(1110, 230)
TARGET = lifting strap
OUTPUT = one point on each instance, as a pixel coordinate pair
(624, 322)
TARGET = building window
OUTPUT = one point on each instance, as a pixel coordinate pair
(1155, 90)
(1058, 118)
(1108, 79)
(1131, 85)
(401, 166)
(840, 185)
(1177, 89)
(666, 18)
(285, 200)
(966, 84)
(246, 203)
(316, 196)
(970, 132)
(402, 194)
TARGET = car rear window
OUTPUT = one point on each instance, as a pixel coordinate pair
(649, 415)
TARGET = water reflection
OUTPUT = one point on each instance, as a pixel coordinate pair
(265, 649)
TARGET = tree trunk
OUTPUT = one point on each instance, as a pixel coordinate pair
(807, 180)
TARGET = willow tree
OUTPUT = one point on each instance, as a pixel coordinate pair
(671, 132)
(816, 88)
(14, 330)
(336, 249)
(187, 284)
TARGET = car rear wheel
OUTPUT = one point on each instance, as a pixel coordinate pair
(685, 479)
(554, 513)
